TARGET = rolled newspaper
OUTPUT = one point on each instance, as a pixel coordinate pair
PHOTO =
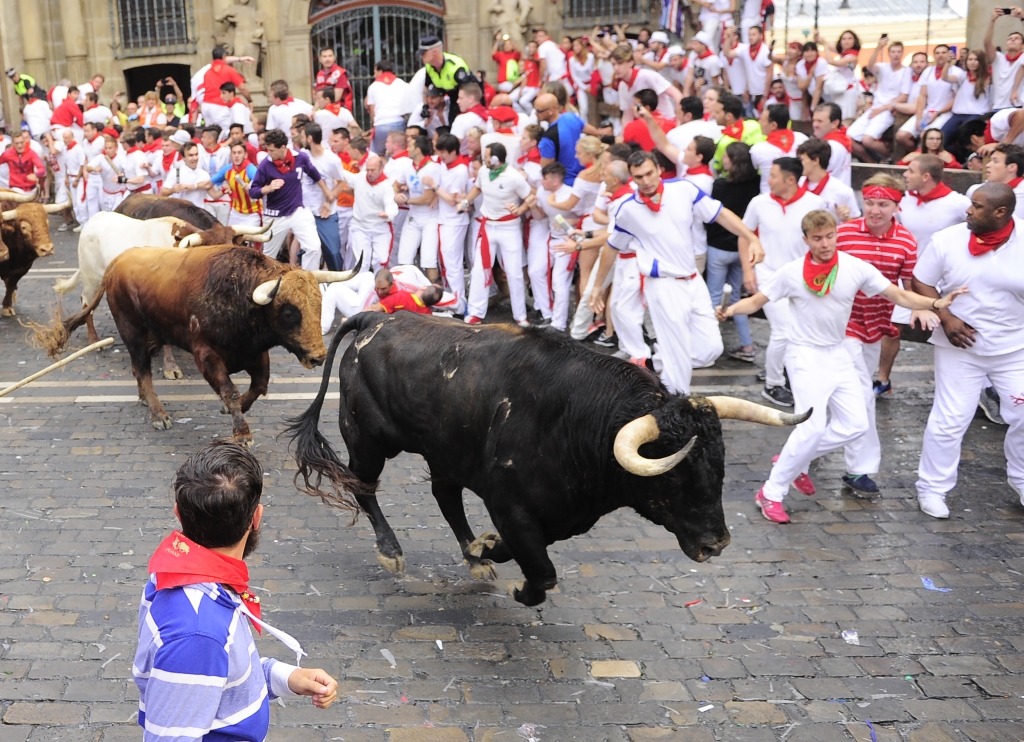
(726, 296)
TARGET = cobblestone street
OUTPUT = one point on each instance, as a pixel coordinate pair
(638, 643)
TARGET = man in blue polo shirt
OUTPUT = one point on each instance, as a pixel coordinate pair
(559, 141)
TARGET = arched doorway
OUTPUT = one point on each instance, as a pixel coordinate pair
(362, 32)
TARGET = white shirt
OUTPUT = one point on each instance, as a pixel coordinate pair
(454, 180)
(414, 181)
(681, 136)
(508, 188)
(823, 319)
(763, 154)
(736, 72)
(926, 219)
(581, 72)
(994, 306)
(890, 83)
(834, 193)
(93, 148)
(370, 201)
(211, 162)
(387, 100)
(84, 89)
(329, 120)
(757, 68)
(279, 115)
(134, 166)
(819, 68)
(552, 53)
(108, 174)
(513, 150)
(58, 94)
(964, 100)
(461, 126)
(708, 68)
(999, 125)
(97, 115)
(551, 212)
(940, 92)
(395, 170)
(663, 239)
(647, 79)
(329, 166)
(840, 164)
(779, 231)
(1003, 73)
(416, 118)
(37, 115)
(183, 174)
(74, 159)
(911, 87)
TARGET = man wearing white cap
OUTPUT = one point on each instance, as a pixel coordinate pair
(675, 70)
(657, 56)
(703, 64)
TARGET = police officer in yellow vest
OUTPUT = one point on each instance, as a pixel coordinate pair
(445, 71)
(23, 84)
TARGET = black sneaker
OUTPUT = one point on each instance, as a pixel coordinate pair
(542, 322)
(762, 375)
(778, 395)
(607, 341)
(862, 485)
(989, 404)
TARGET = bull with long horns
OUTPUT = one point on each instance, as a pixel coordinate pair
(24, 236)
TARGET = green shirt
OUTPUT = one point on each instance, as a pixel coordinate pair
(178, 110)
(751, 135)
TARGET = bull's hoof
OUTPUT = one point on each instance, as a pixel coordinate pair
(523, 592)
(173, 372)
(161, 423)
(224, 409)
(483, 570)
(7, 312)
(244, 439)
(486, 541)
(395, 566)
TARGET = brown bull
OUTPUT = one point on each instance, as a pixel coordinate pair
(148, 206)
(25, 231)
(228, 307)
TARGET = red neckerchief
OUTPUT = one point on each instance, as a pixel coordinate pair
(423, 163)
(935, 194)
(1014, 58)
(168, 160)
(133, 148)
(707, 53)
(979, 244)
(153, 146)
(334, 108)
(460, 160)
(850, 53)
(479, 110)
(735, 131)
(240, 168)
(972, 76)
(630, 81)
(754, 50)
(699, 170)
(209, 151)
(796, 197)
(938, 72)
(839, 136)
(386, 77)
(820, 187)
(179, 561)
(624, 190)
(403, 153)
(72, 145)
(915, 78)
(286, 101)
(363, 159)
(654, 202)
(1015, 182)
(378, 179)
(820, 277)
(532, 156)
(345, 158)
(286, 164)
(660, 56)
(783, 139)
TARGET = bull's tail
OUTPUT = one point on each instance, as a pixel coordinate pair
(314, 455)
(53, 338)
(64, 286)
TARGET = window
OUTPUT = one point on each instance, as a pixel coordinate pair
(589, 13)
(151, 27)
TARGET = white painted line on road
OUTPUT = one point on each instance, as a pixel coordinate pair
(129, 398)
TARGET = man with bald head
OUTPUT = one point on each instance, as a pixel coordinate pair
(559, 141)
(981, 340)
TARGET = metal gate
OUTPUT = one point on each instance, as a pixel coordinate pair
(363, 34)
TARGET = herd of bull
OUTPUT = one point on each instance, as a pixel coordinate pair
(549, 434)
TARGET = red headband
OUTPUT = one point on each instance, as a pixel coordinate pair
(892, 194)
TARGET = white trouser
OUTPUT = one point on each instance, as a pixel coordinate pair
(420, 234)
(452, 252)
(246, 220)
(302, 224)
(399, 224)
(522, 98)
(221, 210)
(871, 127)
(374, 243)
(779, 319)
(538, 265)
(712, 27)
(60, 188)
(688, 333)
(627, 308)
(847, 102)
(79, 203)
(344, 222)
(506, 242)
(93, 189)
(561, 285)
(825, 379)
(346, 297)
(217, 115)
(504, 87)
(864, 455)
(959, 378)
(584, 315)
(109, 201)
(937, 123)
(583, 102)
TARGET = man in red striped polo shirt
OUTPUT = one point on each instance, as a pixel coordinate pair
(878, 239)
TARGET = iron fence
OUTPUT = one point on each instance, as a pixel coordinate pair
(148, 28)
(585, 14)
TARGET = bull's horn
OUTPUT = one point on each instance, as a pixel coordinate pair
(731, 408)
(193, 240)
(243, 229)
(266, 291)
(8, 215)
(257, 237)
(54, 208)
(19, 198)
(636, 433)
(337, 276)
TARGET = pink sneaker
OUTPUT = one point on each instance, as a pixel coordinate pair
(803, 483)
(770, 509)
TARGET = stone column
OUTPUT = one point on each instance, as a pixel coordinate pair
(75, 49)
(32, 42)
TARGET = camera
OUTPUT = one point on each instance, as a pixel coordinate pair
(425, 112)
(122, 179)
(1007, 11)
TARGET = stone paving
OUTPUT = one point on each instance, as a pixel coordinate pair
(621, 651)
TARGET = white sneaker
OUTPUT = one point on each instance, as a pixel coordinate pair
(933, 505)
(78, 229)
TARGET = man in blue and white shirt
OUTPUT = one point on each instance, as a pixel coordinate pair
(196, 666)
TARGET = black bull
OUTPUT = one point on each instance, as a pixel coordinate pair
(528, 421)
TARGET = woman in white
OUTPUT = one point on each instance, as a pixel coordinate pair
(787, 73)
(973, 97)
(581, 69)
(844, 59)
